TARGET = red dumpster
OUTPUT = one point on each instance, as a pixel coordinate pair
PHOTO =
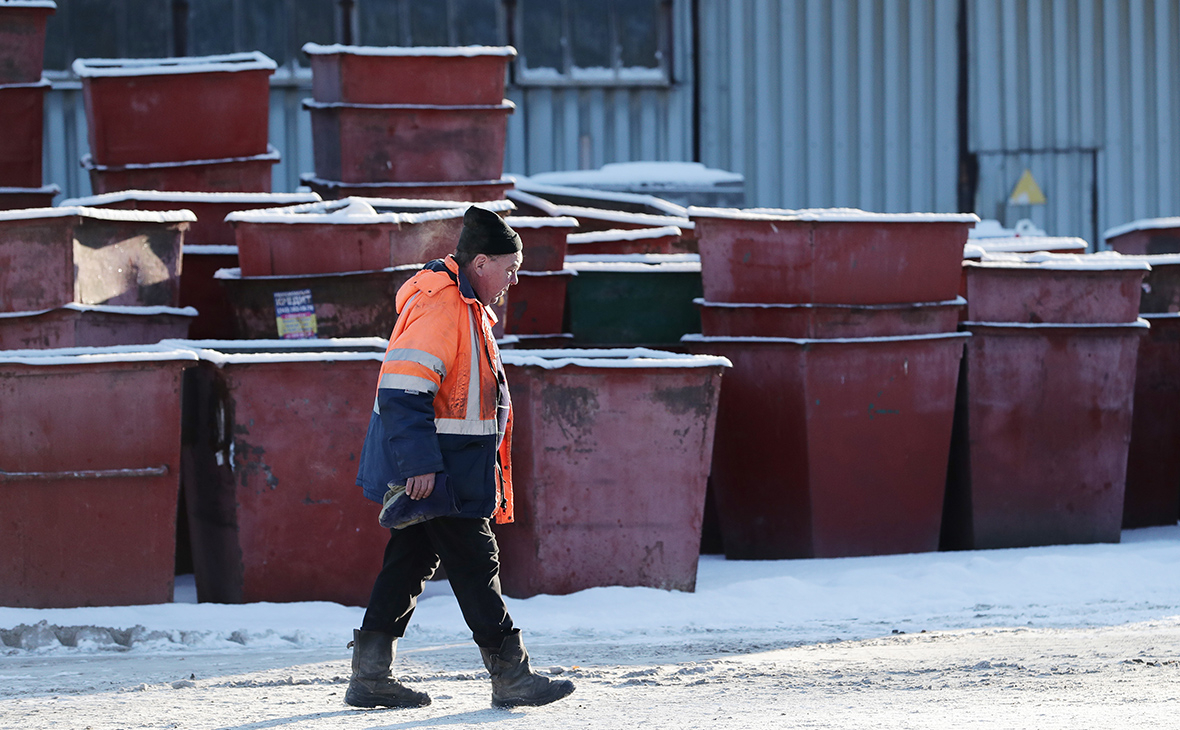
(16, 198)
(416, 75)
(200, 289)
(473, 191)
(273, 431)
(22, 39)
(230, 174)
(832, 256)
(22, 112)
(408, 142)
(148, 110)
(209, 228)
(1062, 288)
(50, 257)
(1045, 419)
(832, 448)
(1161, 288)
(79, 325)
(734, 319)
(542, 240)
(1147, 236)
(89, 510)
(581, 520)
(1153, 460)
(353, 234)
(349, 304)
(536, 305)
(621, 241)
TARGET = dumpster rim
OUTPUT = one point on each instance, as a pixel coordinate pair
(811, 342)
(616, 357)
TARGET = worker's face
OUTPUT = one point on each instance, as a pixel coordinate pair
(492, 275)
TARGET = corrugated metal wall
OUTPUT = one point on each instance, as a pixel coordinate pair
(1086, 95)
(823, 103)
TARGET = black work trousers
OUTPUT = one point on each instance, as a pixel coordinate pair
(469, 554)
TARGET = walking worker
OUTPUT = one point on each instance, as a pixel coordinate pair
(441, 432)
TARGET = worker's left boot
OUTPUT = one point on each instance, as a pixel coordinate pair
(514, 683)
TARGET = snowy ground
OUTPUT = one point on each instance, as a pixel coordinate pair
(1059, 637)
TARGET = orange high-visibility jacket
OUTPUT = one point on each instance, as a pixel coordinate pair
(442, 402)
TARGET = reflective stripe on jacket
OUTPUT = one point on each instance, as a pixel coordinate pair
(439, 395)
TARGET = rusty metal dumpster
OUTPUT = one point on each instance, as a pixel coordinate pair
(15, 198)
(415, 75)
(1149, 236)
(348, 304)
(250, 174)
(151, 110)
(1042, 435)
(89, 474)
(22, 39)
(736, 319)
(1062, 288)
(543, 240)
(832, 448)
(663, 239)
(81, 325)
(353, 234)
(408, 142)
(272, 433)
(50, 257)
(1153, 460)
(22, 113)
(583, 519)
(830, 256)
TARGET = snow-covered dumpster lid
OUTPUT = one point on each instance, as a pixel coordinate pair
(635, 263)
(539, 221)
(633, 357)
(1102, 261)
(316, 49)
(168, 196)
(365, 211)
(1143, 224)
(228, 62)
(107, 214)
(1024, 244)
(686, 183)
(252, 352)
(828, 215)
(624, 234)
(98, 355)
(593, 198)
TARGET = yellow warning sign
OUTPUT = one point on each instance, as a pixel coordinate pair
(1026, 192)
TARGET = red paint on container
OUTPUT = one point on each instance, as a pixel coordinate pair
(475, 191)
(543, 241)
(89, 509)
(50, 257)
(389, 75)
(22, 113)
(16, 198)
(609, 469)
(832, 448)
(827, 258)
(173, 110)
(77, 326)
(355, 304)
(22, 42)
(236, 174)
(728, 319)
(536, 304)
(200, 290)
(1153, 461)
(1150, 236)
(403, 143)
(271, 447)
(1042, 434)
(1034, 294)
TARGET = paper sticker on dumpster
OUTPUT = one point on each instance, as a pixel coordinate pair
(295, 315)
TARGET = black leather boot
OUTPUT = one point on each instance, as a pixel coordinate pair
(371, 684)
(514, 683)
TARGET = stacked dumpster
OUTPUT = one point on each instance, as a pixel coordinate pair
(834, 425)
(1153, 463)
(1044, 418)
(22, 101)
(535, 306)
(193, 124)
(421, 122)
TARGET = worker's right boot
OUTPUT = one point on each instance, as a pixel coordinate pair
(371, 684)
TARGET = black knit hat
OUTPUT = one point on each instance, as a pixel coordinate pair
(487, 233)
